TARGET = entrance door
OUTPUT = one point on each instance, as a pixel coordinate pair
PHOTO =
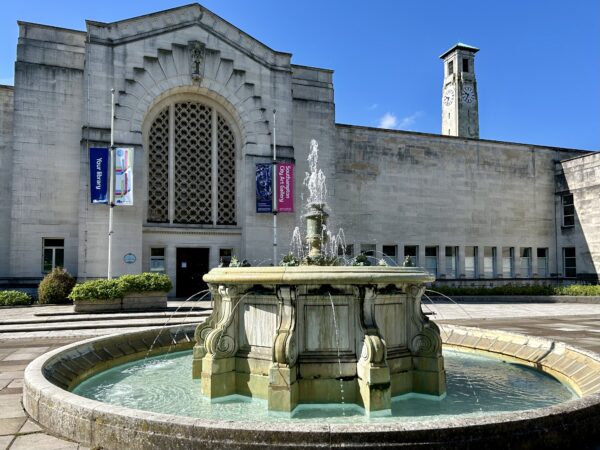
(192, 264)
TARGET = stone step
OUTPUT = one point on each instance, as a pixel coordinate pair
(63, 326)
(64, 318)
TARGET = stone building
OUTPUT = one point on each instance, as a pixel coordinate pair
(194, 99)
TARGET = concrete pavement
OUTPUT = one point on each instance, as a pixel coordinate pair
(26, 333)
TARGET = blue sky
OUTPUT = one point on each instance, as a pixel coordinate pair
(538, 70)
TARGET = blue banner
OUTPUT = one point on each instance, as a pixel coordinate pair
(264, 188)
(99, 175)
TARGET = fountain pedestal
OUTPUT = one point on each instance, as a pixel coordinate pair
(273, 335)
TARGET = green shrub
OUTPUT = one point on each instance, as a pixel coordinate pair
(56, 287)
(575, 289)
(578, 289)
(146, 282)
(11, 298)
(98, 290)
(118, 287)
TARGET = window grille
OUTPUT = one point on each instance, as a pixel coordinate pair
(201, 145)
(158, 167)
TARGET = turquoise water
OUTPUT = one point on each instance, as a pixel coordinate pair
(476, 385)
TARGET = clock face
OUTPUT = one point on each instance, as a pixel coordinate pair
(448, 97)
(468, 94)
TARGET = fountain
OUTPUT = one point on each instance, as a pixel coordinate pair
(309, 333)
(273, 335)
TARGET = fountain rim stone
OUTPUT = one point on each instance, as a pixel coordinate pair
(97, 423)
(318, 275)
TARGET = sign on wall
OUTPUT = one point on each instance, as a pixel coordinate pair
(123, 176)
(99, 175)
(285, 187)
(264, 188)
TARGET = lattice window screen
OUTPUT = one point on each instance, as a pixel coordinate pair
(226, 180)
(158, 180)
(193, 163)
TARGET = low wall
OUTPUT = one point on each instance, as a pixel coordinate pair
(572, 424)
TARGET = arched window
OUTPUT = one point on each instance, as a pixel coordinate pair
(192, 153)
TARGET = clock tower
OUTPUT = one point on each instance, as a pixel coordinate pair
(460, 116)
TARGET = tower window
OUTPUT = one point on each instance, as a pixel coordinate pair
(465, 65)
(568, 210)
(450, 67)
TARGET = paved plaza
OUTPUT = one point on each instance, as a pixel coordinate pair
(28, 332)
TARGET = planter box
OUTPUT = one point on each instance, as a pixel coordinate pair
(135, 301)
(144, 301)
(92, 306)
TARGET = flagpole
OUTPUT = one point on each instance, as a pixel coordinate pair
(275, 193)
(111, 188)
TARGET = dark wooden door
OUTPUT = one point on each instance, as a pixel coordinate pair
(192, 264)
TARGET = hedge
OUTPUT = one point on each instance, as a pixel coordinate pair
(572, 290)
(11, 298)
(119, 287)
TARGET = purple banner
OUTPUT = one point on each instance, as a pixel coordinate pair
(285, 187)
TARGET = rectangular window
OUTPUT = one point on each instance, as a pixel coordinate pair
(471, 262)
(542, 262)
(489, 262)
(348, 250)
(451, 261)
(508, 262)
(450, 67)
(53, 254)
(465, 62)
(412, 251)
(526, 262)
(157, 260)
(225, 255)
(431, 260)
(390, 254)
(568, 210)
(367, 249)
(569, 262)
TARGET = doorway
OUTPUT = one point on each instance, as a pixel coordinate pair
(192, 264)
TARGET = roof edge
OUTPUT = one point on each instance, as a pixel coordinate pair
(443, 136)
(459, 45)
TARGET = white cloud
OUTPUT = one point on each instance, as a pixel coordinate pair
(7, 81)
(391, 121)
(373, 106)
(388, 120)
(406, 123)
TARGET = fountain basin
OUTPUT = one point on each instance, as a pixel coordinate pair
(314, 334)
(567, 425)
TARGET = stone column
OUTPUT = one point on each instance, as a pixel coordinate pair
(374, 379)
(202, 331)
(480, 258)
(218, 365)
(460, 270)
(499, 268)
(425, 345)
(421, 256)
(442, 261)
(283, 384)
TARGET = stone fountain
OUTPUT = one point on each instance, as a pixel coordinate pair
(318, 334)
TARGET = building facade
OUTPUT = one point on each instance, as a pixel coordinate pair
(194, 99)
